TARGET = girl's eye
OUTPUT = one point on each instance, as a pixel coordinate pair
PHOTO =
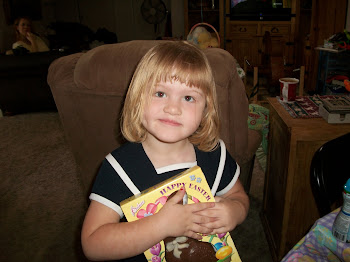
(160, 94)
(189, 98)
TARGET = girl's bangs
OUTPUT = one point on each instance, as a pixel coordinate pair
(190, 73)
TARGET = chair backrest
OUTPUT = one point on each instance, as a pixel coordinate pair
(330, 170)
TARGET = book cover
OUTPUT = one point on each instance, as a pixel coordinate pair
(216, 248)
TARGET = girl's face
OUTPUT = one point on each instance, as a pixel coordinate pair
(174, 112)
(24, 26)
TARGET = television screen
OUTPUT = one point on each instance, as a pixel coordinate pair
(266, 3)
(267, 10)
(235, 2)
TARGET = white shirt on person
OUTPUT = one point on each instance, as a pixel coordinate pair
(42, 47)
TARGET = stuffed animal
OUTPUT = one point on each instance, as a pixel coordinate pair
(202, 38)
(208, 43)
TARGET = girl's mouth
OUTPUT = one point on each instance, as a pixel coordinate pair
(170, 122)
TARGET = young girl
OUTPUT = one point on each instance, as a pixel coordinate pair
(26, 38)
(170, 119)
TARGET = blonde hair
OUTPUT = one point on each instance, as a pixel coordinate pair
(172, 61)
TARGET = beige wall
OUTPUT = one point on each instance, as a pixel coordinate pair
(120, 16)
(129, 23)
(177, 18)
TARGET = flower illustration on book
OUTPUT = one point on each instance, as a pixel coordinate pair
(156, 259)
(151, 208)
(155, 251)
(221, 235)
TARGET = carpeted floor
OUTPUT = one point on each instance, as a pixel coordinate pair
(41, 206)
(40, 191)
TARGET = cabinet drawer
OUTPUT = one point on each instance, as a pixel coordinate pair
(243, 29)
(276, 29)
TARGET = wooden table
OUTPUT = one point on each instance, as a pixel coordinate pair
(289, 208)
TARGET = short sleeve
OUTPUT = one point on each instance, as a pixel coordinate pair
(210, 161)
(109, 189)
(230, 175)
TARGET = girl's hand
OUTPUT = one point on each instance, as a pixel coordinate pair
(223, 215)
(229, 211)
(177, 219)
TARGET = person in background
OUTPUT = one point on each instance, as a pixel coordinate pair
(26, 38)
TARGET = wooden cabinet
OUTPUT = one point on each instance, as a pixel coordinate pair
(241, 41)
(207, 11)
(312, 22)
(242, 38)
(246, 38)
(282, 40)
(289, 208)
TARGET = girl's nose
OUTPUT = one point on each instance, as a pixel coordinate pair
(173, 107)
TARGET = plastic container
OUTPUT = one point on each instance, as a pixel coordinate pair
(341, 224)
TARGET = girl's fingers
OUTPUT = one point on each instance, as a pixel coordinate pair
(177, 198)
(198, 219)
(219, 230)
(215, 224)
(201, 229)
(198, 207)
(209, 212)
(194, 235)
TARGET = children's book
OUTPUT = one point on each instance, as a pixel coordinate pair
(216, 248)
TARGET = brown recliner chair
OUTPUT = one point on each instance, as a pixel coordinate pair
(89, 90)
